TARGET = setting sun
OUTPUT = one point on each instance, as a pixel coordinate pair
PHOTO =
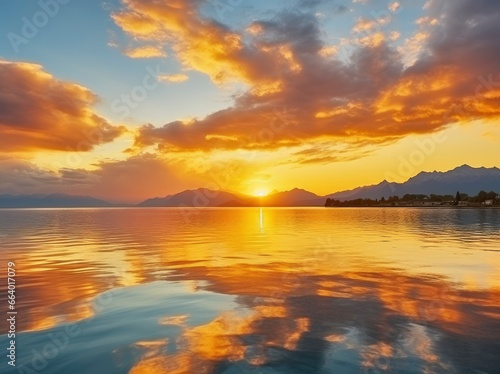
(261, 193)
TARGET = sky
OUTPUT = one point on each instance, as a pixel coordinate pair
(130, 99)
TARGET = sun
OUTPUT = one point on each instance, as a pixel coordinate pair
(261, 193)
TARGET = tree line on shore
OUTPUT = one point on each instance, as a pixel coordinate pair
(482, 198)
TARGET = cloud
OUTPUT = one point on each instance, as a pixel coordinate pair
(378, 92)
(394, 35)
(140, 177)
(199, 43)
(326, 152)
(19, 176)
(414, 46)
(173, 78)
(145, 52)
(309, 4)
(340, 9)
(328, 6)
(394, 7)
(426, 20)
(130, 180)
(364, 25)
(39, 112)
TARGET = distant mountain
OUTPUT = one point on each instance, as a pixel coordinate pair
(295, 197)
(51, 201)
(201, 197)
(210, 198)
(464, 178)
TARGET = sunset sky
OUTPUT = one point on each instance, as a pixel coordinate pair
(131, 99)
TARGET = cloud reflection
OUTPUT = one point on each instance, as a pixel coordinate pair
(317, 291)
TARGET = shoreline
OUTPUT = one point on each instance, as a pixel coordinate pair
(417, 206)
(263, 206)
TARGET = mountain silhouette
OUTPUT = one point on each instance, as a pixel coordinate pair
(201, 197)
(52, 201)
(465, 179)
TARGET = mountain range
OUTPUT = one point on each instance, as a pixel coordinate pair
(51, 201)
(206, 197)
(464, 178)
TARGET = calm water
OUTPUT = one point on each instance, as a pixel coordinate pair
(249, 290)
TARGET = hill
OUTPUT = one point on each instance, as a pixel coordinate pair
(464, 178)
(201, 197)
(51, 201)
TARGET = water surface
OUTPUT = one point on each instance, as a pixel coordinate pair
(250, 290)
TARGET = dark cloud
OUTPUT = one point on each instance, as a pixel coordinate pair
(23, 177)
(308, 4)
(340, 9)
(130, 180)
(325, 4)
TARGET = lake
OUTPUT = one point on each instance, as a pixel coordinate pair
(253, 290)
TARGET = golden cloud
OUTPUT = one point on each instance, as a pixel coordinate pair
(145, 52)
(39, 112)
(363, 25)
(379, 92)
(173, 78)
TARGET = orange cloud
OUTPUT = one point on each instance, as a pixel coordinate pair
(39, 112)
(145, 52)
(204, 44)
(379, 94)
(363, 25)
(173, 78)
